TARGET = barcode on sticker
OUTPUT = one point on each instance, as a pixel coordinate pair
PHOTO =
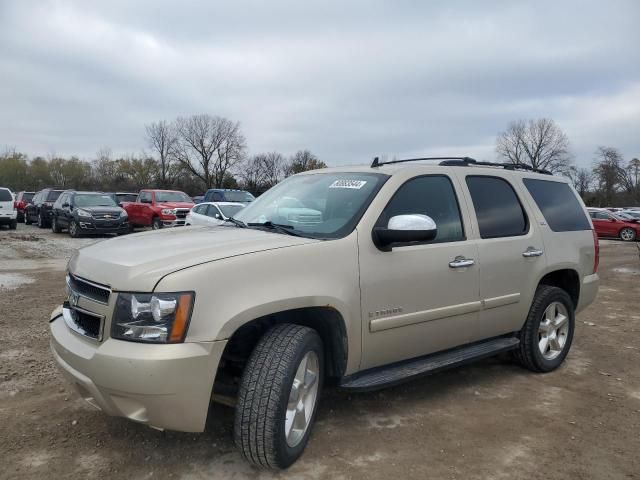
(357, 184)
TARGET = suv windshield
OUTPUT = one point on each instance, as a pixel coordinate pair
(230, 210)
(27, 196)
(89, 200)
(244, 197)
(172, 197)
(320, 205)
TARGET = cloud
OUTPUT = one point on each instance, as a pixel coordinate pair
(348, 80)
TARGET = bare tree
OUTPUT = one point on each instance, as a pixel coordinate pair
(262, 171)
(581, 179)
(209, 147)
(608, 172)
(302, 161)
(538, 143)
(162, 139)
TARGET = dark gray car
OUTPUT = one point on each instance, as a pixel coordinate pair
(88, 213)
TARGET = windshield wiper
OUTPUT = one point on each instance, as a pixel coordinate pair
(236, 222)
(277, 227)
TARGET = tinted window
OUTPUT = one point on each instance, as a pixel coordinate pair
(497, 207)
(216, 196)
(53, 195)
(600, 215)
(172, 197)
(94, 200)
(234, 196)
(125, 197)
(212, 211)
(430, 195)
(145, 197)
(5, 195)
(27, 197)
(558, 205)
(198, 208)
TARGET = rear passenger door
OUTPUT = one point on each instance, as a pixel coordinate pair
(511, 254)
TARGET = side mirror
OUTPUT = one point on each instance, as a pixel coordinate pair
(405, 230)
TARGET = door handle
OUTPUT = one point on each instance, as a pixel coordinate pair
(532, 252)
(461, 261)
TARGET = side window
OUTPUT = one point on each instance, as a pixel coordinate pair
(602, 216)
(499, 212)
(431, 195)
(145, 197)
(217, 197)
(212, 211)
(558, 205)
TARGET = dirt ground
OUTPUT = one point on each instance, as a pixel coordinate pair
(491, 420)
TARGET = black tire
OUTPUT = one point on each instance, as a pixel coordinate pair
(74, 229)
(41, 222)
(259, 430)
(528, 353)
(13, 225)
(156, 224)
(627, 234)
(54, 225)
(27, 221)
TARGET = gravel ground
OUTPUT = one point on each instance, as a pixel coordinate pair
(490, 420)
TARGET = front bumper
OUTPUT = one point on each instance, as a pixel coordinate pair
(101, 226)
(173, 222)
(163, 386)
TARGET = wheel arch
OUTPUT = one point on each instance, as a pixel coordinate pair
(326, 320)
(567, 279)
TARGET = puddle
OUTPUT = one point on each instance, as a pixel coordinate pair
(11, 281)
(628, 270)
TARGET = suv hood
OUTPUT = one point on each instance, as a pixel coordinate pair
(175, 205)
(137, 262)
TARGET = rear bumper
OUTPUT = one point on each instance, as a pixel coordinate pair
(8, 217)
(163, 386)
(588, 291)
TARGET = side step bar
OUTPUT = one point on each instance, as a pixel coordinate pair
(389, 375)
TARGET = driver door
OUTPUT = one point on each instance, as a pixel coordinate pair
(419, 299)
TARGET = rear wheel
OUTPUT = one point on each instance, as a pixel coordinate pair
(278, 397)
(41, 223)
(54, 225)
(628, 234)
(26, 218)
(547, 334)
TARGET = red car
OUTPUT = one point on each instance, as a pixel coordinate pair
(158, 209)
(608, 224)
(22, 199)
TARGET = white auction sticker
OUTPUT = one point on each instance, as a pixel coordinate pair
(356, 184)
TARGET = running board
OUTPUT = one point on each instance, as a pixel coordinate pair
(389, 375)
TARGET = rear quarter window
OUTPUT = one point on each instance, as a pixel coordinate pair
(558, 204)
(5, 195)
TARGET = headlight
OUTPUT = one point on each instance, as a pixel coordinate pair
(152, 317)
(123, 214)
(168, 211)
(83, 213)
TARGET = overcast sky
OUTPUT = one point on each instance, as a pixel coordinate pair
(346, 79)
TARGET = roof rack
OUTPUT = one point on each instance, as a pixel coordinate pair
(465, 162)
(377, 162)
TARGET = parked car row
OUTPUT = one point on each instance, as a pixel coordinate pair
(608, 224)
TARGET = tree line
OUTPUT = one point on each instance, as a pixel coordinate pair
(191, 154)
(611, 181)
(197, 152)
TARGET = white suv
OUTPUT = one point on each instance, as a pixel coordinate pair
(8, 212)
(402, 270)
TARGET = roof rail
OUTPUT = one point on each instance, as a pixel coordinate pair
(507, 166)
(377, 162)
(464, 162)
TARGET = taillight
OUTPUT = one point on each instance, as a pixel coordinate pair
(596, 248)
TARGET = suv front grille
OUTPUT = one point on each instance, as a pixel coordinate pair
(182, 213)
(83, 322)
(96, 292)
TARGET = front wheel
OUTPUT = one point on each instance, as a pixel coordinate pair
(278, 397)
(26, 218)
(628, 234)
(156, 224)
(74, 230)
(41, 223)
(547, 334)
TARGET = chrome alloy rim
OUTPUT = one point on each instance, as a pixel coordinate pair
(302, 399)
(627, 234)
(553, 330)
